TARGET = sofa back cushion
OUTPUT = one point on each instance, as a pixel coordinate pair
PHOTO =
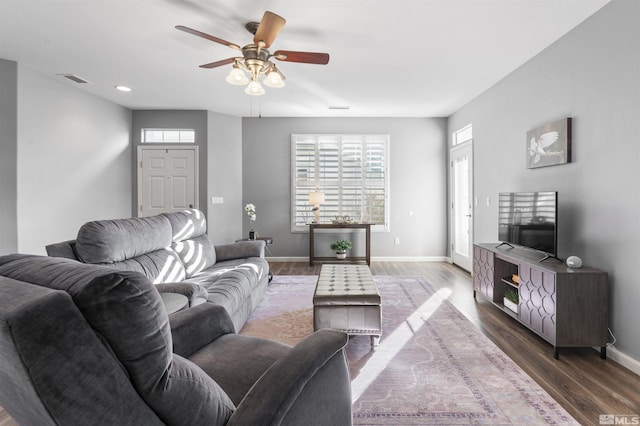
(141, 244)
(125, 309)
(190, 240)
(53, 363)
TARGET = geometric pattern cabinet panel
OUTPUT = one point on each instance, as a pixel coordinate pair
(566, 307)
(538, 300)
(483, 271)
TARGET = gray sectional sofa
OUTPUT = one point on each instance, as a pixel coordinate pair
(82, 344)
(175, 253)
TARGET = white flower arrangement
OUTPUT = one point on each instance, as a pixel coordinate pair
(251, 211)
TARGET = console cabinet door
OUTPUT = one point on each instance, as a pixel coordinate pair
(483, 272)
(538, 300)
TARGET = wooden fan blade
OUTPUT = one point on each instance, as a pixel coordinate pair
(304, 57)
(218, 63)
(207, 36)
(268, 29)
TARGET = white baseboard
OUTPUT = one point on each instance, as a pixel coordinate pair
(373, 259)
(287, 259)
(623, 359)
(411, 259)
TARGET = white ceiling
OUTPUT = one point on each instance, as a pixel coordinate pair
(389, 58)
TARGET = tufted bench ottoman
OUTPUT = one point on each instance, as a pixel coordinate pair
(347, 299)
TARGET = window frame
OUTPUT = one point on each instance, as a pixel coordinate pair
(320, 183)
(143, 134)
(462, 135)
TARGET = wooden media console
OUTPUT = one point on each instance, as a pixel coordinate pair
(566, 307)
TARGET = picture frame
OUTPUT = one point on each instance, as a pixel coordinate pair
(549, 145)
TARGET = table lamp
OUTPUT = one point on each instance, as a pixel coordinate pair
(316, 198)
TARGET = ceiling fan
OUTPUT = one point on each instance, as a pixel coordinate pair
(255, 58)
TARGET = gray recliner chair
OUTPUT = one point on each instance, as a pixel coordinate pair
(82, 344)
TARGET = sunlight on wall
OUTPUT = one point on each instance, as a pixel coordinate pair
(393, 344)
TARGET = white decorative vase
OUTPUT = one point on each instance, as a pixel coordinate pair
(574, 262)
(341, 255)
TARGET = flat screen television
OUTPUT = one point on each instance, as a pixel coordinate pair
(529, 219)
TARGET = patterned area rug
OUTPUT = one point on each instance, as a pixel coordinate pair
(432, 366)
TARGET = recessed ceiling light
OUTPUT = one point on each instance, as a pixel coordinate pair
(123, 88)
(339, 107)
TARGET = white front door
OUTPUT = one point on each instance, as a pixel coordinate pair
(461, 206)
(167, 179)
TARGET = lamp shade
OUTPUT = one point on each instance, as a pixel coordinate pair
(273, 79)
(254, 88)
(316, 197)
(237, 77)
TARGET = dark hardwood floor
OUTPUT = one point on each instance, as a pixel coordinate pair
(585, 385)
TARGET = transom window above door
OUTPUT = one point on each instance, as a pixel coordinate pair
(352, 173)
(168, 136)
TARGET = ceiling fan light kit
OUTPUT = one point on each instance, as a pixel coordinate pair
(237, 77)
(254, 88)
(255, 58)
(274, 78)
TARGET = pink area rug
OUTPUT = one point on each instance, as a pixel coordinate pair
(432, 366)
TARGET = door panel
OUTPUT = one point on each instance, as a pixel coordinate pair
(461, 209)
(156, 192)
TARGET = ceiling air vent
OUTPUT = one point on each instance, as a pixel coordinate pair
(75, 78)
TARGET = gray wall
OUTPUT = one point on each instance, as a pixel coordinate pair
(171, 119)
(8, 155)
(593, 75)
(225, 178)
(73, 160)
(418, 170)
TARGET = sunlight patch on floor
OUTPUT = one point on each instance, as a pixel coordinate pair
(393, 344)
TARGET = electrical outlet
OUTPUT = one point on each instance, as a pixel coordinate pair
(397, 241)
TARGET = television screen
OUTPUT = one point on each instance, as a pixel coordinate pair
(529, 219)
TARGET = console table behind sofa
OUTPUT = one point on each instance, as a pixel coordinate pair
(350, 259)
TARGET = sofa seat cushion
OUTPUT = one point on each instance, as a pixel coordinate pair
(231, 283)
(254, 268)
(219, 359)
(126, 310)
(174, 302)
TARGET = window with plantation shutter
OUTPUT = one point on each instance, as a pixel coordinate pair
(351, 171)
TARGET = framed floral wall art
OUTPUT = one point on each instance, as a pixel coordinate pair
(549, 145)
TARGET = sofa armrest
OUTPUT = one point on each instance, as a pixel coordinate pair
(196, 327)
(66, 249)
(311, 382)
(194, 292)
(240, 250)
